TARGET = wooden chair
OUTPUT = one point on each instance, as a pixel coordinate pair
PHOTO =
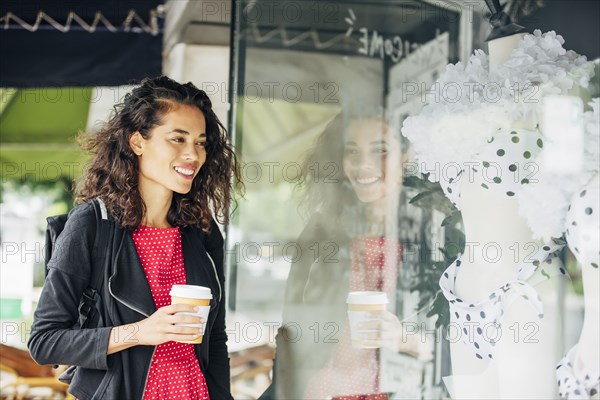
(24, 379)
(20, 361)
(251, 370)
(35, 388)
(7, 375)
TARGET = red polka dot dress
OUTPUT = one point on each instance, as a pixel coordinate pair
(174, 371)
(352, 373)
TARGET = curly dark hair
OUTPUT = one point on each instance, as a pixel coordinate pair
(113, 171)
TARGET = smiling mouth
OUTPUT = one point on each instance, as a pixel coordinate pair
(367, 180)
(185, 172)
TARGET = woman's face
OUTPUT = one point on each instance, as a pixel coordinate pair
(171, 157)
(372, 160)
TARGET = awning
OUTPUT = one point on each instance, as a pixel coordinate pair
(38, 129)
(92, 43)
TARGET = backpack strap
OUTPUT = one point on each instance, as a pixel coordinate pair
(99, 261)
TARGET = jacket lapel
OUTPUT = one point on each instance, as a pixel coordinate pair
(128, 283)
(128, 269)
(198, 268)
(199, 271)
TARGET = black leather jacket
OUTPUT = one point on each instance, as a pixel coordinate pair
(125, 298)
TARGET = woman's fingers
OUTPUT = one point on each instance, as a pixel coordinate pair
(388, 317)
(370, 324)
(384, 329)
(380, 322)
(171, 323)
(376, 334)
(179, 332)
(183, 319)
(175, 308)
(185, 330)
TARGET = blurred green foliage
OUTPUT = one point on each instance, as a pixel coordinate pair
(431, 197)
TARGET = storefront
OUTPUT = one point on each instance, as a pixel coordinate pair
(354, 133)
(299, 67)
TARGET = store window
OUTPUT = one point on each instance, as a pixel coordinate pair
(333, 204)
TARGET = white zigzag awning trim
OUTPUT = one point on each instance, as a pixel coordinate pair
(127, 26)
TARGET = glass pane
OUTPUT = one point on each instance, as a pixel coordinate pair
(322, 89)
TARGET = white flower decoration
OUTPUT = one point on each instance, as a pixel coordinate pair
(468, 104)
(489, 101)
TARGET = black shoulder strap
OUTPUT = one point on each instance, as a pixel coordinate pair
(99, 261)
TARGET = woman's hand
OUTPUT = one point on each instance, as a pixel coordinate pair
(384, 329)
(158, 328)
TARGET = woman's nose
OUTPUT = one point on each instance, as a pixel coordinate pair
(192, 152)
(364, 159)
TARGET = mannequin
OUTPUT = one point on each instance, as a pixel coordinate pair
(588, 346)
(494, 221)
(499, 49)
(505, 279)
(582, 235)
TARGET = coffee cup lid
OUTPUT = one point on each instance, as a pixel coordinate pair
(367, 298)
(191, 291)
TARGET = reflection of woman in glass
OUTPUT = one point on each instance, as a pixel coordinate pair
(352, 180)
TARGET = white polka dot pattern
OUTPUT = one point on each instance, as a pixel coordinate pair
(573, 386)
(504, 165)
(583, 224)
(480, 321)
(174, 370)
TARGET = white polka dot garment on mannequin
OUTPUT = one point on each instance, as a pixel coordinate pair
(575, 379)
(572, 385)
(174, 371)
(583, 224)
(480, 322)
(504, 165)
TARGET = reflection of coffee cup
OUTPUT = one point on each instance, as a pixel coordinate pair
(361, 307)
(198, 296)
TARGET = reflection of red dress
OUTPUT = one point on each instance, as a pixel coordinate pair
(174, 370)
(351, 373)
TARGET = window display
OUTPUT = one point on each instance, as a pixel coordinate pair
(480, 136)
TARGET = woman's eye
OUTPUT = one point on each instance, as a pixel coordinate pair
(380, 150)
(178, 140)
(201, 144)
(350, 151)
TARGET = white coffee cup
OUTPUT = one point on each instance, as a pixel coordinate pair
(198, 296)
(361, 308)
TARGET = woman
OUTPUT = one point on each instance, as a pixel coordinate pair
(351, 184)
(163, 167)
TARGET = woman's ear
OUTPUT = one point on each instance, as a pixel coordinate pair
(136, 142)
